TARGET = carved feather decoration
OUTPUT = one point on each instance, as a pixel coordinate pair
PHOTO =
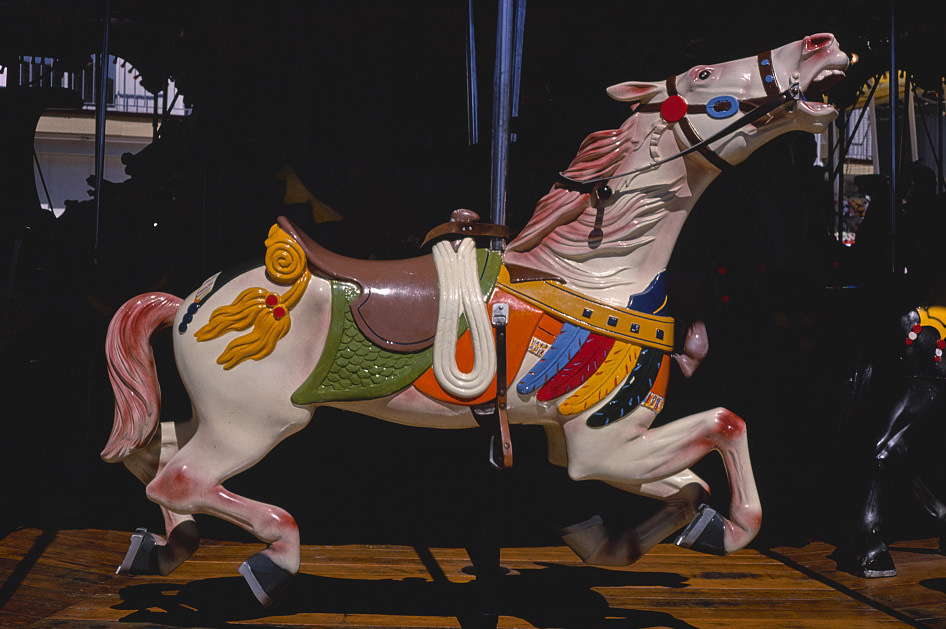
(584, 364)
(563, 349)
(633, 391)
(619, 362)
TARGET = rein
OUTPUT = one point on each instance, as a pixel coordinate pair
(675, 109)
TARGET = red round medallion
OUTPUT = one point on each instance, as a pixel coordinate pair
(917, 328)
(941, 344)
(272, 299)
(674, 108)
(279, 312)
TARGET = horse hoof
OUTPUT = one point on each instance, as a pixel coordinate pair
(878, 565)
(142, 556)
(265, 578)
(704, 533)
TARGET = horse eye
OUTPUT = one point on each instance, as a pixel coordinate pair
(705, 74)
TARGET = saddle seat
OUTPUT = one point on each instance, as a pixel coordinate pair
(397, 308)
(399, 301)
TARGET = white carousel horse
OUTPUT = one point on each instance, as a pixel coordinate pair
(589, 339)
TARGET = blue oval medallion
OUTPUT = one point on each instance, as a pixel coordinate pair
(722, 107)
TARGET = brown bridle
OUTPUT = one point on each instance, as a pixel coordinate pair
(674, 109)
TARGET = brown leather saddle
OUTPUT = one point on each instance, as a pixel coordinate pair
(397, 308)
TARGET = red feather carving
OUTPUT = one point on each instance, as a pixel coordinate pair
(579, 368)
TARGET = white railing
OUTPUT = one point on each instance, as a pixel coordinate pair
(124, 92)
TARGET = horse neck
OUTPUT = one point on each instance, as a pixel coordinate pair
(640, 228)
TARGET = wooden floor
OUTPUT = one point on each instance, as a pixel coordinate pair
(66, 578)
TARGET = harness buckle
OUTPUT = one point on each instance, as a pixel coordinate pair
(500, 314)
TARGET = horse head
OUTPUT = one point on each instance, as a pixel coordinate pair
(786, 82)
(610, 222)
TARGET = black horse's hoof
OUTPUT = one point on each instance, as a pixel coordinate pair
(142, 555)
(876, 565)
(704, 533)
(265, 578)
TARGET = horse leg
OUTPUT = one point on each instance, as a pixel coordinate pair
(192, 483)
(630, 452)
(933, 505)
(149, 553)
(872, 559)
(599, 544)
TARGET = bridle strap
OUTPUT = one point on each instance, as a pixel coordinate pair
(692, 136)
(775, 100)
(767, 71)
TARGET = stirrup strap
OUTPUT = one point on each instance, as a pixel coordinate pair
(492, 415)
(500, 317)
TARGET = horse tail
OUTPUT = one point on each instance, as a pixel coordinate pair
(132, 372)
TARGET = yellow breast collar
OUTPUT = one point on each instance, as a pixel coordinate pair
(597, 316)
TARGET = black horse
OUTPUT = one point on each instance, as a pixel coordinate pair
(897, 386)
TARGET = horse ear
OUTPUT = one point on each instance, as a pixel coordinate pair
(633, 91)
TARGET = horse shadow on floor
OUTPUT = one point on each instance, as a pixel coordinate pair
(550, 596)
(937, 585)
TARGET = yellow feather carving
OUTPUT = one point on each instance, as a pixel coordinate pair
(239, 315)
(258, 344)
(621, 359)
(285, 264)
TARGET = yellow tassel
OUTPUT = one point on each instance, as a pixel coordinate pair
(239, 315)
(267, 312)
(257, 344)
(621, 359)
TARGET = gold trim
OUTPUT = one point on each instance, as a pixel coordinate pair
(935, 317)
(602, 318)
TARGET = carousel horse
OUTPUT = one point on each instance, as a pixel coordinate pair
(567, 329)
(897, 386)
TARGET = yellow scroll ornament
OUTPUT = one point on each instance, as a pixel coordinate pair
(266, 311)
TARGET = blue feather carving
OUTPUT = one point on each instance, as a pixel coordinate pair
(563, 349)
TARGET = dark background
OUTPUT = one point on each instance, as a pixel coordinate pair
(367, 102)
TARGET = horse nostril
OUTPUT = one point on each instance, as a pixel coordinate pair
(817, 42)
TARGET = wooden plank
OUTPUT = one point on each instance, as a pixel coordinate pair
(67, 580)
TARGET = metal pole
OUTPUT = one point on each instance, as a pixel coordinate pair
(842, 157)
(939, 134)
(100, 125)
(517, 63)
(472, 97)
(502, 84)
(832, 130)
(894, 89)
(874, 136)
(155, 118)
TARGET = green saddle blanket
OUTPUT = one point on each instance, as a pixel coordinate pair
(353, 368)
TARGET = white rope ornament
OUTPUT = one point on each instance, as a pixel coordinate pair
(460, 293)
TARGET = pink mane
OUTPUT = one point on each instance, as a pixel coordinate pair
(600, 155)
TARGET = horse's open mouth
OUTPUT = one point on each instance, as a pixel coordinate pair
(813, 94)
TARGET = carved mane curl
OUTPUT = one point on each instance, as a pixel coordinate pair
(599, 155)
